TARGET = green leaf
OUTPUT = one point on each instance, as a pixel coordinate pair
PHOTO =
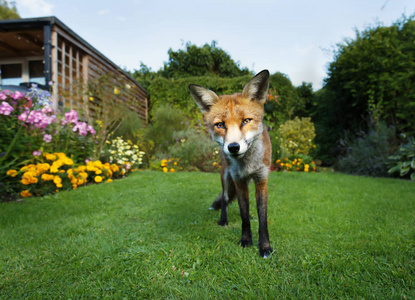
(413, 176)
(405, 171)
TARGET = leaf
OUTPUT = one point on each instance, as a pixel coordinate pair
(413, 176)
(405, 171)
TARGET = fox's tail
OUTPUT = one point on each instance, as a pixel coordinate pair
(217, 204)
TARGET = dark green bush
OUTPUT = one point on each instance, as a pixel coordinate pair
(366, 153)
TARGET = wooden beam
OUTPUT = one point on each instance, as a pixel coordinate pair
(10, 48)
(28, 37)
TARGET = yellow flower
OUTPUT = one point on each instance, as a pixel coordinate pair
(25, 181)
(175, 163)
(57, 181)
(91, 98)
(165, 170)
(54, 169)
(172, 170)
(47, 177)
(25, 194)
(116, 91)
(98, 179)
(109, 180)
(11, 173)
(50, 157)
(97, 172)
(164, 163)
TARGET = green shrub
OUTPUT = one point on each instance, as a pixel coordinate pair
(403, 160)
(366, 154)
(296, 137)
(166, 120)
(195, 150)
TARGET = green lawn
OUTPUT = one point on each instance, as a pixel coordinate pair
(151, 235)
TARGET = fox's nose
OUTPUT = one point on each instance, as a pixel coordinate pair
(233, 148)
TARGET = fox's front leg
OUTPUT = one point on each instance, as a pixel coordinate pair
(261, 194)
(227, 195)
(243, 201)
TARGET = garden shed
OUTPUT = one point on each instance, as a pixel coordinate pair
(46, 52)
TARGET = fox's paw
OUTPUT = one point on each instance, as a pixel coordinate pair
(265, 252)
(246, 242)
(223, 222)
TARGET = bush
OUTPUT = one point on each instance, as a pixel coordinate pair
(296, 137)
(403, 161)
(195, 150)
(165, 121)
(366, 154)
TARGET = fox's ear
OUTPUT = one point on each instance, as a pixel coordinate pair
(204, 98)
(257, 87)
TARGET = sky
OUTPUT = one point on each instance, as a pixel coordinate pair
(296, 38)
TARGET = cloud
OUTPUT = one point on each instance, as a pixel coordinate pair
(103, 12)
(34, 8)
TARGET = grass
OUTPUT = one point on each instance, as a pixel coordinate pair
(151, 236)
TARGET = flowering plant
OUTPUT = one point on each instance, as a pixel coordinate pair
(56, 172)
(124, 153)
(29, 126)
(300, 163)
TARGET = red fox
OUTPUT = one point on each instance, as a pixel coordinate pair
(235, 124)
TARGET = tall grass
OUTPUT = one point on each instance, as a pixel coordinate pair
(151, 236)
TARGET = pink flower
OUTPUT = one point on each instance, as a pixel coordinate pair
(5, 108)
(3, 96)
(47, 138)
(71, 117)
(37, 153)
(91, 129)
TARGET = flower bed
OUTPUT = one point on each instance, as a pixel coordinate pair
(56, 172)
(43, 151)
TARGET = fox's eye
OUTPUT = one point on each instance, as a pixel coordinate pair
(220, 125)
(246, 121)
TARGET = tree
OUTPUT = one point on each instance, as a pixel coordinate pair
(201, 61)
(372, 78)
(8, 11)
(374, 75)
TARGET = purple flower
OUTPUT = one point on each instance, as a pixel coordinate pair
(47, 138)
(5, 108)
(37, 153)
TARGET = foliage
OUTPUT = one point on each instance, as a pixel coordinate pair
(296, 137)
(151, 236)
(8, 10)
(195, 150)
(403, 160)
(106, 109)
(366, 153)
(286, 101)
(52, 173)
(299, 163)
(165, 121)
(176, 93)
(208, 60)
(372, 77)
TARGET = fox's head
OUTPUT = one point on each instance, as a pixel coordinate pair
(234, 121)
